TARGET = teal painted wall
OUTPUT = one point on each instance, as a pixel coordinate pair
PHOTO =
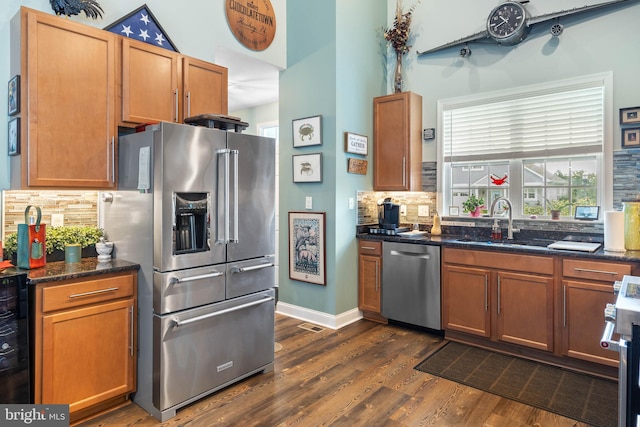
(333, 71)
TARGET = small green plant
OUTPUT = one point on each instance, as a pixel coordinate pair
(472, 203)
(57, 237)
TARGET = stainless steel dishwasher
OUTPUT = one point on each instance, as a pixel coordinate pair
(411, 283)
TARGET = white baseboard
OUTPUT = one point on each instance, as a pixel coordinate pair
(319, 318)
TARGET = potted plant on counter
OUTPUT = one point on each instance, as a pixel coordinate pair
(472, 205)
(57, 238)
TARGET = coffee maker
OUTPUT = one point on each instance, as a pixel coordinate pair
(388, 214)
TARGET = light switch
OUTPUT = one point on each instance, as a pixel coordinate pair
(352, 203)
(308, 202)
(423, 210)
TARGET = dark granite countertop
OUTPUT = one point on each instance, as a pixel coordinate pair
(461, 241)
(57, 271)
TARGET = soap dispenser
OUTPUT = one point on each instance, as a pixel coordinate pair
(496, 231)
(436, 230)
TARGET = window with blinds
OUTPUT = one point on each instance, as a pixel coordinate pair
(514, 133)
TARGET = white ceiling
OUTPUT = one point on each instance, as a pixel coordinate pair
(251, 82)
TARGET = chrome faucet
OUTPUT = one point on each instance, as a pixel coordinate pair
(493, 206)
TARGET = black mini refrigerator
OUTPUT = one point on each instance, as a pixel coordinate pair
(14, 338)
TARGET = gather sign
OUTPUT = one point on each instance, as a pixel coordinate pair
(252, 22)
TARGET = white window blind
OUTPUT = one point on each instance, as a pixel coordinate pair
(554, 122)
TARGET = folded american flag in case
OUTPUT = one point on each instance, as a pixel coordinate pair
(142, 25)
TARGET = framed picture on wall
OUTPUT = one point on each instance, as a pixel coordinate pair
(307, 167)
(629, 115)
(14, 136)
(356, 144)
(307, 247)
(631, 138)
(307, 131)
(13, 96)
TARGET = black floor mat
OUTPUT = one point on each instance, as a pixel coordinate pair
(578, 396)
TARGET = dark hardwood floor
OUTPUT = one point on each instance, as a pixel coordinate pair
(360, 375)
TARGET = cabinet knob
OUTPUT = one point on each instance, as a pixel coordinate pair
(616, 286)
(610, 313)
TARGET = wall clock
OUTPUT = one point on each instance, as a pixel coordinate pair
(509, 24)
(506, 23)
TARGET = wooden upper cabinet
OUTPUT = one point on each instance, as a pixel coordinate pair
(69, 115)
(150, 77)
(397, 139)
(161, 85)
(205, 88)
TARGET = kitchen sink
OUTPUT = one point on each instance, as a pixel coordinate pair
(541, 243)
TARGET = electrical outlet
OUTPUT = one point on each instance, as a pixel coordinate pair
(423, 210)
(352, 203)
(308, 202)
(57, 220)
(403, 210)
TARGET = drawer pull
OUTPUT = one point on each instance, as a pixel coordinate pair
(369, 248)
(252, 268)
(99, 291)
(586, 270)
(176, 280)
(177, 322)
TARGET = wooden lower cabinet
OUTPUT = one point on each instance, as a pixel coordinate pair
(512, 307)
(548, 308)
(524, 312)
(370, 279)
(85, 354)
(583, 321)
(587, 287)
(465, 299)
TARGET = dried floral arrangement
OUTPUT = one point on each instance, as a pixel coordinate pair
(398, 35)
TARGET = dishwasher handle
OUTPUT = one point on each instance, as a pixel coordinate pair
(410, 254)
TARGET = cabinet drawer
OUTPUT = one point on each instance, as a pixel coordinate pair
(369, 247)
(594, 270)
(83, 292)
(500, 260)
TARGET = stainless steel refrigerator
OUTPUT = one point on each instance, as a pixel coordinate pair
(195, 207)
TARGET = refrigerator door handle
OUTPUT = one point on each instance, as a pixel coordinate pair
(223, 198)
(234, 237)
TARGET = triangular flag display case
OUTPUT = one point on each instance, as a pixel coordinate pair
(142, 25)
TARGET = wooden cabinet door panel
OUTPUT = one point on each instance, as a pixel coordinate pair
(88, 354)
(397, 141)
(369, 275)
(583, 321)
(525, 310)
(205, 88)
(465, 300)
(70, 103)
(149, 83)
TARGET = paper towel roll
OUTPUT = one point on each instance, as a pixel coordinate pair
(614, 231)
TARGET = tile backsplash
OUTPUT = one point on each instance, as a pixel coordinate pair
(78, 207)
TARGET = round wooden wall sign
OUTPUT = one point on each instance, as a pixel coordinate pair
(252, 22)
